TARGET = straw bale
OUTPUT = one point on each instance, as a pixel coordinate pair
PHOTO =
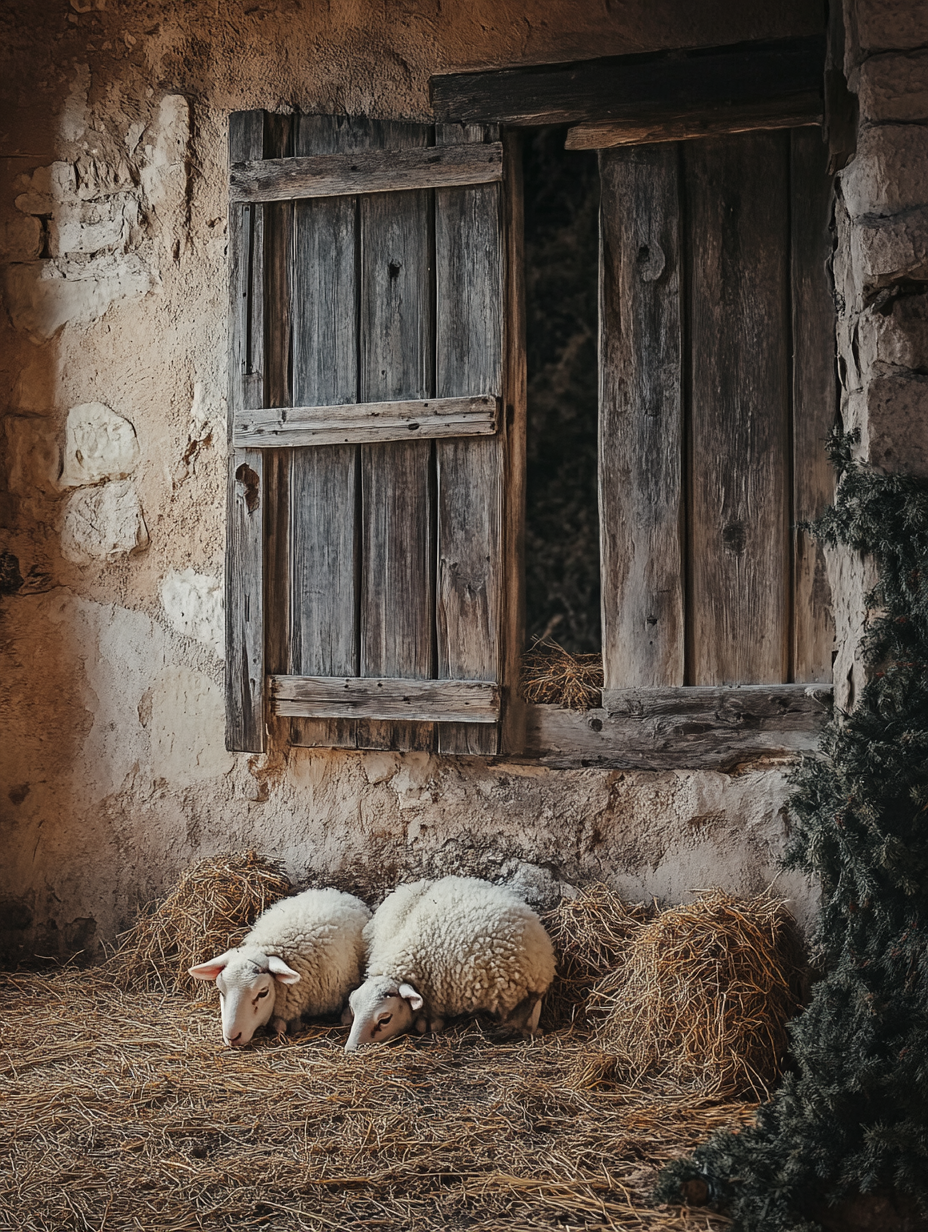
(590, 933)
(122, 1110)
(703, 997)
(552, 675)
(211, 908)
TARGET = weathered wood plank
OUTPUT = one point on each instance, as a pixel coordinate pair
(468, 358)
(512, 732)
(324, 591)
(397, 363)
(738, 280)
(443, 701)
(641, 418)
(641, 127)
(367, 422)
(244, 560)
(366, 171)
(814, 400)
(668, 732)
(595, 89)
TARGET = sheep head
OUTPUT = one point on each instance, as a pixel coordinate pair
(247, 981)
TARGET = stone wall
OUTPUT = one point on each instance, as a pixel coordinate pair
(112, 371)
(881, 269)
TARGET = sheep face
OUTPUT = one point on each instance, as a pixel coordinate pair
(247, 990)
(382, 1008)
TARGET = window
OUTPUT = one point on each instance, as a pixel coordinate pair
(377, 431)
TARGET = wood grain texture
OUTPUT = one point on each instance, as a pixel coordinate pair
(366, 422)
(641, 418)
(443, 701)
(738, 279)
(396, 363)
(324, 483)
(594, 89)
(468, 360)
(365, 171)
(659, 124)
(244, 560)
(814, 400)
(512, 732)
(616, 741)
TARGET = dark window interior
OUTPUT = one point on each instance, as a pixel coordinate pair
(561, 274)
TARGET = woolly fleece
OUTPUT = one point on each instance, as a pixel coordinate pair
(465, 945)
(319, 934)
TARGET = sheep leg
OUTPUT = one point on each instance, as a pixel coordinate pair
(279, 1026)
(347, 1016)
(526, 1015)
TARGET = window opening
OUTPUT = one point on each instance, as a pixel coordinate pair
(562, 598)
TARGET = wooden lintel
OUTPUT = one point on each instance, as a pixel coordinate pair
(366, 171)
(365, 422)
(675, 729)
(428, 701)
(651, 126)
(588, 90)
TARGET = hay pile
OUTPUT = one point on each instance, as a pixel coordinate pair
(123, 1111)
(703, 997)
(211, 908)
(554, 676)
(591, 935)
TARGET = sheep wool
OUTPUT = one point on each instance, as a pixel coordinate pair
(318, 933)
(465, 944)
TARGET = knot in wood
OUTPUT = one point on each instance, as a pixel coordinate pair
(651, 261)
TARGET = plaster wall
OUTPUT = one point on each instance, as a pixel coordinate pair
(112, 489)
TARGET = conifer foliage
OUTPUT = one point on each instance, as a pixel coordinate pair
(852, 1115)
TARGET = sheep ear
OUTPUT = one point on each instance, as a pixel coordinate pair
(280, 971)
(209, 970)
(408, 993)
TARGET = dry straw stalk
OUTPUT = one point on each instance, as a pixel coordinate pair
(703, 997)
(553, 676)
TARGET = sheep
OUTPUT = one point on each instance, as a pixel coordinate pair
(452, 946)
(313, 940)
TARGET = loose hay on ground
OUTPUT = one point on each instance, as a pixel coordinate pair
(211, 908)
(122, 1110)
(703, 996)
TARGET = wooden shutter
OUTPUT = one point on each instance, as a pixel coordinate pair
(368, 572)
(717, 393)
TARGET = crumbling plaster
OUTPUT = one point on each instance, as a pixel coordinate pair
(112, 227)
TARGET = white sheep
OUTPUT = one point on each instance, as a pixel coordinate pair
(453, 946)
(303, 956)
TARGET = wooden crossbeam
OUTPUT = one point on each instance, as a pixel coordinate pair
(358, 697)
(596, 90)
(365, 171)
(365, 422)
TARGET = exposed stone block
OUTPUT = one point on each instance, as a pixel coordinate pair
(92, 226)
(43, 296)
(890, 172)
(886, 25)
(103, 523)
(99, 444)
(894, 338)
(892, 413)
(883, 251)
(193, 603)
(894, 87)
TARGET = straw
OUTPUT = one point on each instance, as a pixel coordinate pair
(703, 997)
(211, 908)
(553, 676)
(123, 1111)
